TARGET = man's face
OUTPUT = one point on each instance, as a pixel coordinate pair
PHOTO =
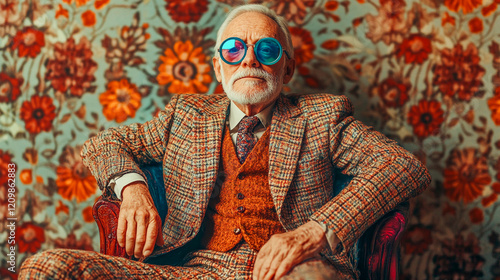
(251, 82)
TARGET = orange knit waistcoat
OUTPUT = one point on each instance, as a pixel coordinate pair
(243, 208)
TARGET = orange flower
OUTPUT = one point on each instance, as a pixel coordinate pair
(185, 68)
(87, 215)
(61, 12)
(99, 4)
(30, 237)
(476, 215)
(61, 207)
(467, 6)
(494, 104)
(26, 176)
(303, 45)
(120, 101)
(73, 178)
(88, 18)
(476, 25)
(488, 10)
(466, 175)
(447, 19)
(331, 5)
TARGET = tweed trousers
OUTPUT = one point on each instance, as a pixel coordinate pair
(237, 263)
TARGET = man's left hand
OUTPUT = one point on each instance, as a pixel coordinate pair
(283, 251)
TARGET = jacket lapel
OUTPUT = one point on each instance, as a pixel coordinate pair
(208, 128)
(287, 131)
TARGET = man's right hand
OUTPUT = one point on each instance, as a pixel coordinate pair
(139, 225)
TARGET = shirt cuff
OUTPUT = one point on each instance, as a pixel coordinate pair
(120, 182)
(331, 237)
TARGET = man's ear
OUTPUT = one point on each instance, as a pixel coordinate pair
(289, 70)
(217, 69)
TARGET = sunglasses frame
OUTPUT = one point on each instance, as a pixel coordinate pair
(256, 45)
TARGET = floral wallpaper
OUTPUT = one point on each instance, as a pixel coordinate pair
(426, 73)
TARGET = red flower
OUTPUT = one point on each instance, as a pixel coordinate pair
(72, 67)
(186, 11)
(417, 240)
(30, 237)
(489, 200)
(393, 93)
(38, 114)
(476, 25)
(303, 45)
(476, 215)
(459, 73)
(415, 48)
(5, 160)
(28, 41)
(9, 88)
(426, 118)
(466, 175)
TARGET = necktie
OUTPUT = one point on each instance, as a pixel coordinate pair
(245, 140)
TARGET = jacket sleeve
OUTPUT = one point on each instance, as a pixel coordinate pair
(118, 151)
(384, 175)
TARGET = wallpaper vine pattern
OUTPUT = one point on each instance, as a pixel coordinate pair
(426, 73)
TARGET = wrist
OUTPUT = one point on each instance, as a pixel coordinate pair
(134, 186)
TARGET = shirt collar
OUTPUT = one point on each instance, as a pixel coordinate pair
(236, 115)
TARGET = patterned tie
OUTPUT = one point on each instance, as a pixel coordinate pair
(245, 140)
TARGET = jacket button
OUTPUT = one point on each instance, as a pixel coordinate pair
(237, 231)
(241, 209)
(240, 196)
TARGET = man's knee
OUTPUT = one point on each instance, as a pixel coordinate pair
(50, 264)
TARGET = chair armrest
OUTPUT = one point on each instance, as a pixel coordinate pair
(379, 247)
(106, 212)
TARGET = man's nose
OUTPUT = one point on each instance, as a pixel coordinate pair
(250, 59)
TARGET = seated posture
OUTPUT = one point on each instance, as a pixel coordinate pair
(248, 176)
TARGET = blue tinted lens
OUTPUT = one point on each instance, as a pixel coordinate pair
(233, 50)
(268, 51)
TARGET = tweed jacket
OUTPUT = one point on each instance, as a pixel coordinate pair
(311, 136)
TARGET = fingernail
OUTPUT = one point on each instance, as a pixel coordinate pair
(147, 253)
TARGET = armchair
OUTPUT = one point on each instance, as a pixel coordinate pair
(379, 251)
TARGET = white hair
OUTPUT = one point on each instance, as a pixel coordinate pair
(282, 24)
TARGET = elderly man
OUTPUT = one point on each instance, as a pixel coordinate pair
(248, 176)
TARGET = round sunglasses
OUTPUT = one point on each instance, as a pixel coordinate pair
(267, 50)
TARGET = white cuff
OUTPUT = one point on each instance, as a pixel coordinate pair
(118, 183)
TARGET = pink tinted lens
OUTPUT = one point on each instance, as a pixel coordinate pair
(233, 50)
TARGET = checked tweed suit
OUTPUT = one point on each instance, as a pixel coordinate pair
(311, 136)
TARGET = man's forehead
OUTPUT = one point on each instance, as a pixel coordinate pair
(252, 24)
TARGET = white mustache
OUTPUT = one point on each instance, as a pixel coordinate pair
(257, 73)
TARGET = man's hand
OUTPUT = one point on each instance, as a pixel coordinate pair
(285, 250)
(139, 225)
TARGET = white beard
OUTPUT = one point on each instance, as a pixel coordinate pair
(274, 85)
